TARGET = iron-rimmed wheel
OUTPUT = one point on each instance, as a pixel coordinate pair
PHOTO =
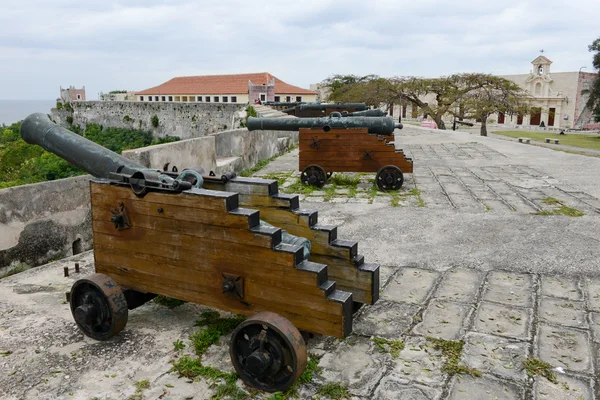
(389, 177)
(268, 352)
(98, 306)
(314, 175)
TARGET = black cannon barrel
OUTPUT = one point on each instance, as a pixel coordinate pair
(367, 113)
(378, 125)
(332, 106)
(77, 150)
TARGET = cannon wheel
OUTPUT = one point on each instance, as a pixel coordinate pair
(98, 306)
(268, 352)
(389, 177)
(314, 175)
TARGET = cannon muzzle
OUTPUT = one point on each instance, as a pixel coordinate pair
(376, 125)
(77, 150)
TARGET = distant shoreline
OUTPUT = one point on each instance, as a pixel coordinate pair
(12, 111)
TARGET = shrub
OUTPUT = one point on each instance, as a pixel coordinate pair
(69, 120)
(155, 121)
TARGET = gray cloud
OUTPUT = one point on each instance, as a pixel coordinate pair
(138, 44)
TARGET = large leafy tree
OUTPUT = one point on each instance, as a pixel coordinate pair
(594, 91)
(498, 95)
(445, 92)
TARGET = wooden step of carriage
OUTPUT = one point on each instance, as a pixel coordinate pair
(345, 265)
(186, 245)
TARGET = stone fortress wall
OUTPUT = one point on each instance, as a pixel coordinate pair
(186, 120)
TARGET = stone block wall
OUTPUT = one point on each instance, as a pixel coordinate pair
(44, 221)
(198, 152)
(186, 120)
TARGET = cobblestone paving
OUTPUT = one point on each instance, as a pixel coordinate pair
(504, 319)
(497, 189)
(454, 151)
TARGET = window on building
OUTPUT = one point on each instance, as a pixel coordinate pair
(78, 97)
(199, 98)
(207, 99)
(163, 98)
(170, 98)
(155, 98)
(263, 97)
(277, 98)
(216, 99)
(177, 98)
(184, 98)
(234, 99)
(225, 99)
(298, 98)
(149, 98)
(141, 98)
(288, 98)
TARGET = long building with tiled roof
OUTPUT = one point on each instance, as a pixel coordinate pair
(238, 88)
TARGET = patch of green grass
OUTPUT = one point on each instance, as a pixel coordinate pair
(15, 270)
(551, 200)
(280, 177)
(395, 346)
(193, 368)
(575, 140)
(452, 351)
(178, 345)
(168, 302)
(334, 391)
(535, 366)
(215, 328)
(562, 210)
(300, 188)
(143, 384)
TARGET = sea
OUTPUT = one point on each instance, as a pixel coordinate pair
(15, 110)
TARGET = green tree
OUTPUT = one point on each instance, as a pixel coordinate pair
(497, 95)
(445, 92)
(594, 91)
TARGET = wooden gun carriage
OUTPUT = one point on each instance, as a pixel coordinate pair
(344, 144)
(204, 239)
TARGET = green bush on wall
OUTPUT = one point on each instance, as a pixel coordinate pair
(155, 121)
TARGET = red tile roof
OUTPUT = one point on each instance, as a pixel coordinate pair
(222, 84)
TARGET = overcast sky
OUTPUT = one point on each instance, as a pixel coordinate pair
(137, 44)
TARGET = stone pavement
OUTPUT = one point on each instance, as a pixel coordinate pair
(476, 291)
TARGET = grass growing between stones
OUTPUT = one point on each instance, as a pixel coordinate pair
(334, 391)
(535, 366)
(394, 347)
(562, 210)
(168, 302)
(192, 368)
(452, 350)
